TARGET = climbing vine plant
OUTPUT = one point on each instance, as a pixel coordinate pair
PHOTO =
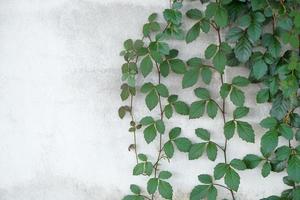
(260, 35)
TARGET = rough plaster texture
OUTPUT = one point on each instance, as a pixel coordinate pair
(61, 138)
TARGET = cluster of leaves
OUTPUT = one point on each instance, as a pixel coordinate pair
(261, 35)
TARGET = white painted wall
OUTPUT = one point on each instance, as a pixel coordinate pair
(61, 138)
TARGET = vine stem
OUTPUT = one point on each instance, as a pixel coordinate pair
(223, 109)
(134, 132)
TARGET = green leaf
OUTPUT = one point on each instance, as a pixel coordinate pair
(162, 90)
(177, 66)
(146, 65)
(147, 87)
(164, 175)
(225, 89)
(147, 120)
(229, 129)
(165, 189)
(174, 133)
(259, 69)
(193, 33)
(211, 151)
(232, 179)
(160, 126)
(269, 141)
(245, 131)
(234, 34)
(220, 170)
(272, 44)
(199, 192)
(203, 134)
(152, 17)
(150, 133)
(240, 112)
(169, 149)
(202, 93)
(240, 81)
(148, 168)
(237, 96)
(212, 109)
(210, 51)
(219, 61)
(293, 168)
(196, 151)
(252, 161)
(206, 75)
(243, 49)
(205, 178)
(197, 109)
(121, 112)
(135, 189)
(221, 16)
(258, 4)
(152, 185)
(190, 77)
(244, 21)
(269, 122)
(283, 153)
(238, 164)
(164, 68)
(142, 157)
(138, 169)
(151, 100)
(212, 193)
(133, 197)
(181, 107)
(286, 131)
(254, 31)
(194, 14)
(168, 111)
(262, 96)
(183, 144)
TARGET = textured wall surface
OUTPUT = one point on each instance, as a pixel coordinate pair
(61, 138)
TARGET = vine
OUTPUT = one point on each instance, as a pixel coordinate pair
(272, 57)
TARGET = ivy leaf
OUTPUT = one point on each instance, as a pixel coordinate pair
(193, 33)
(138, 169)
(254, 31)
(169, 149)
(211, 151)
(258, 4)
(197, 109)
(252, 161)
(194, 14)
(135, 189)
(262, 96)
(177, 66)
(205, 178)
(221, 16)
(174, 133)
(202, 93)
(152, 185)
(245, 131)
(220, 170)
(181, 107)
(238, 164)
(165, 189)
(269, 122)
(243, 49)
(219, 61)
(196, 151)
(225, 89)
(183, 144)
(146, 65)
(237, 96)
(203, 134)
(150, 133)
(210, 51)
(164, 175)
(272, 44)
(269, 141)
(232, 179)
(168, 111)
(229, 129)
(259, 69)
(212, 109)
(190, 77)
(286, 131)
(240, 81)
(283, 153)
(162, 90)
(199, 192)
(234, 34)
(206, 75)
(240, 112)
(293, 168)
(160, 126)
(151, 100)
(133, 197)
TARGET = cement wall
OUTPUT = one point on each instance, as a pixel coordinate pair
(61, 138)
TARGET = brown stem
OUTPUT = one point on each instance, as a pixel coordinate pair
(134, 132)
